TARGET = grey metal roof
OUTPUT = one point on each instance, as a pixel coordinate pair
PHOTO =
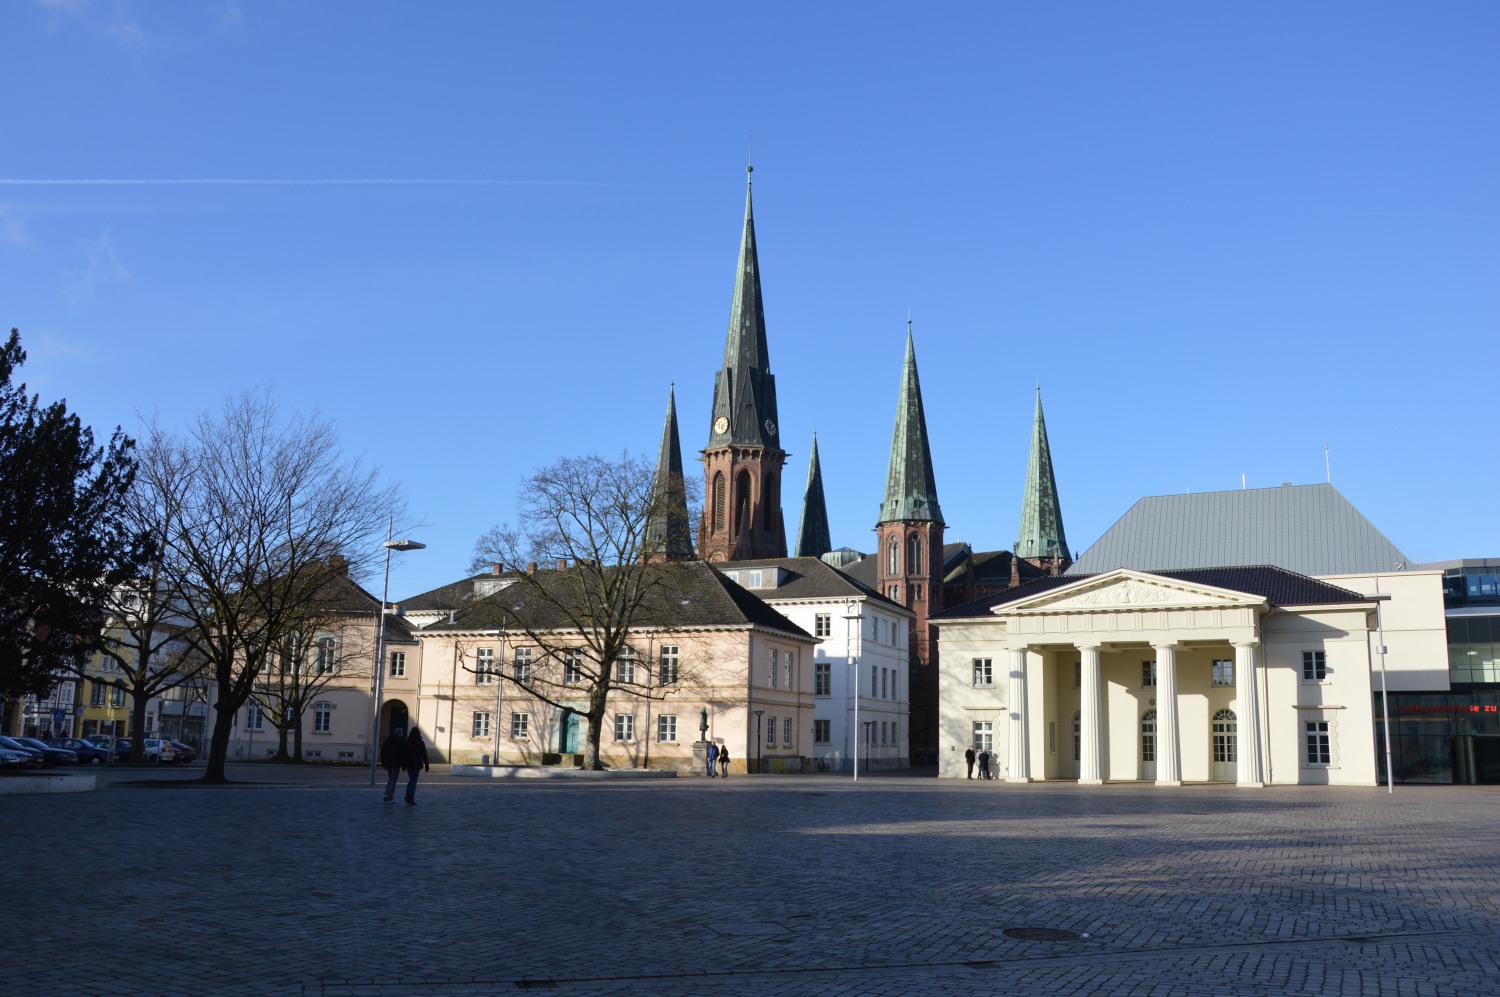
(1309, 529)
(910, 485)
(809, 578)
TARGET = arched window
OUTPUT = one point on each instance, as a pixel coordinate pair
(741, 502)
(893, 557)
(719, 506)
(1148, 736)
(913, 555)
(1224, 737)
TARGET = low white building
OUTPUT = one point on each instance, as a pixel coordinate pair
(861, 687)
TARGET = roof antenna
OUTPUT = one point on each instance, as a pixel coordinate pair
(749, 158)
(1242, 481)
(1327, 466)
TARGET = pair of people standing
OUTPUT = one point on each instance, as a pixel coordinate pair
(718, 760)
(407, 752)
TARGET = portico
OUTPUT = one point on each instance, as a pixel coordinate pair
(1159, 677)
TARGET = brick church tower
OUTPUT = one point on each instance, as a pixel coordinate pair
(910, 551)
(743, 461)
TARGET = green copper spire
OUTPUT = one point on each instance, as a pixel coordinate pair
(1041, 514)
(667, 533)
(813, 539)
(744, 411)
(910, 487)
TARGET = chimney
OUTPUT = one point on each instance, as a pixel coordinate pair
(1015, 564)
(495, 568)
(562, 564)
(531, 567)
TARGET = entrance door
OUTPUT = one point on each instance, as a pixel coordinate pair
(567, 736)
(1225, 747)
(1148, 746)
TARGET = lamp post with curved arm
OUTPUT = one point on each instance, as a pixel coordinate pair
(385, 591)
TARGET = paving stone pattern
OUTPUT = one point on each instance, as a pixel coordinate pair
(309, 885)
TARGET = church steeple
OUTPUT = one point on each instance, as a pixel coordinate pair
(910, 486)
(743, 460)
(667, 537)
(813, 539)
(1041, 540)
(910, 554)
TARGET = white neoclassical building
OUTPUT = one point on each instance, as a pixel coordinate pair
(1251, 675)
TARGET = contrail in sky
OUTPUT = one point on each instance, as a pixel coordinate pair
(348, 182)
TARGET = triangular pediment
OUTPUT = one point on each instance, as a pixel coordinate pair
(1124, 589)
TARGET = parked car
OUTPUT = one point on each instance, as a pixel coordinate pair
(156, 750)
(88, 752)
(11, 760)
(50, 755)
(186, 753)
(9, 744)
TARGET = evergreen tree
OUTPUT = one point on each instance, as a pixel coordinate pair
(64, 539)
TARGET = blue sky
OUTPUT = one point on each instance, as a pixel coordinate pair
(488, 235)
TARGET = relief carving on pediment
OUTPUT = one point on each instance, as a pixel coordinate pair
(1133, 593)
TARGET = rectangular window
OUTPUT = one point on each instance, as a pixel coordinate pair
(1223, 672)
(520, 726)
(1148, 675)
(522, 666)
(573, 668)
(984, 735)
(666, 729)
(669, 664)
(328, 657)
(771, 679)
(96, 694)
(117, 697)
(883, 735)
(624, 726)
(883, 684)
(1078, 675)
(1314, 666)
(821, 732)
(625, 667)
(254, 717)
(484, 666)
(786, 731)
(823, 625)
(481, 726)
(984, 672)
(822, 679)
(787, 670)
(398, 664)
(1319, 750)
(323, 718)
(752, 579)
(874, 680)
(770, 731)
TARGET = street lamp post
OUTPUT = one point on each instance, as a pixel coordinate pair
(758, 741)
(853, 616)
(385, 591)
(868, 725)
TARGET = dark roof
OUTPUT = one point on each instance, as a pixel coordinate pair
(345, 597)
(455, 595)
(1277, 586)
(692, 594)
(1308, 528)
(809, 578)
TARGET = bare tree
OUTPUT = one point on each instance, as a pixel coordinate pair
(588, 519)
(324, 646)
(256, 508)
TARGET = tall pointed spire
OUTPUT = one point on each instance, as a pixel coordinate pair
(744, 412)
(910, 486)
(743, 460)
(813, 538)
(1041, 537)
(667, 535)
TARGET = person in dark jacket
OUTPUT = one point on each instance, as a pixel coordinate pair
(415, 758)
(392, 756)
(969, 761)
(724, 761)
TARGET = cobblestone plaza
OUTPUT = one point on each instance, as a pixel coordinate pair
(306, 884)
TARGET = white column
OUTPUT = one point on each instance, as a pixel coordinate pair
(1019, 763)
(1090, 772)
(1168, 734)
(1247, 714)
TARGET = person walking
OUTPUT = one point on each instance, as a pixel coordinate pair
(415, 760)
(984, 764)
(713, 759)
(392, 758)
(724, 761)
(969, 760)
